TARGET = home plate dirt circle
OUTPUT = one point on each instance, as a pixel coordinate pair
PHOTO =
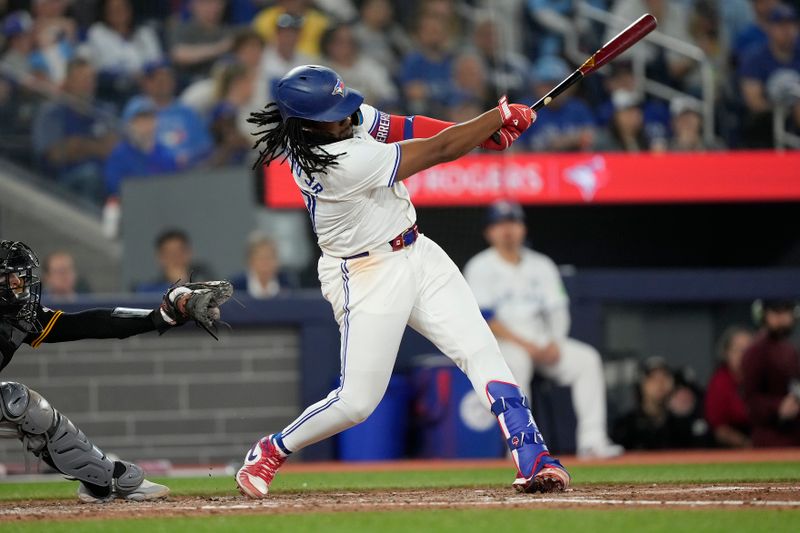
(753, 495)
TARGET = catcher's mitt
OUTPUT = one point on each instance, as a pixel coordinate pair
(198, 301)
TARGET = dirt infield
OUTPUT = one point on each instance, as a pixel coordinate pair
(747, 495)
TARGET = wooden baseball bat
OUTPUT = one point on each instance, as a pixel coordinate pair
(613, 48)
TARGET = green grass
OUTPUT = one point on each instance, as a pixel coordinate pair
(460, 521)
(293, 481)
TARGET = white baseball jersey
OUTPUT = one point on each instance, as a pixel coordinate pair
(356, 206)
(528, 298)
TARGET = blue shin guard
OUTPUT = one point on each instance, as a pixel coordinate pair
(527, 445)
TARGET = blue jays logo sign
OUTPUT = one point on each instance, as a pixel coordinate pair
(338, 88)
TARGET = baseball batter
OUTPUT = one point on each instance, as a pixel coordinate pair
(523, 299)
(377, 270)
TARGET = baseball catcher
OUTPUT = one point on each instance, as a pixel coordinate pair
(27, 415)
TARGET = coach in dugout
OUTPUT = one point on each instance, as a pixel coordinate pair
(771, 376)
(521, 295)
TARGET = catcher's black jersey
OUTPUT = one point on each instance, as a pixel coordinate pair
(57, 326)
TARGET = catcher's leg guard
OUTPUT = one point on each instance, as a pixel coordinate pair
(53, 437)
(526, 443)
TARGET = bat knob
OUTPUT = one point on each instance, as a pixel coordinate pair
(496, 137)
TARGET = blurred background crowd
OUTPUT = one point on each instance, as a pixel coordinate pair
(93, 92)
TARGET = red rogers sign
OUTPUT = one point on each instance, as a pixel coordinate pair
(588, 178)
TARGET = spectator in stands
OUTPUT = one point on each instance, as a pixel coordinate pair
(522, 297)
(755, 33)
(341, 52)
(59, 277)
(568, 125)
(655, 113)
(247, 51)
(175, 260)
(726, 411)
(379, 35)
(201, 40)
(771, 376)
(764, 66)
(71, 138)
(138, 154)
(263, 278)
(687, 127)
(469, 85)
(119, 49)
(626, 132)
(56, 36)
(665, 415)
(313, 26)
(19, 44)
(179, 129)
(234, 93)
(281, 56)
(425, 74)
(673, 20)
(553, 19)
(507, 71)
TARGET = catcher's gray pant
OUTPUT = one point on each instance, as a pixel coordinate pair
(48, 434)
(373, 299)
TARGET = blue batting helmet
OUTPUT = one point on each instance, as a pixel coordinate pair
(313, 92)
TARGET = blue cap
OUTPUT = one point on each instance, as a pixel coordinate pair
(782, 13)
(151, 66)
(549, 68)
(317, 93)
(16, 23)
(139, 105)
(504, 211)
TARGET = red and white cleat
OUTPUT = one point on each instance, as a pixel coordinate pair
(260, 466)
(549, 477)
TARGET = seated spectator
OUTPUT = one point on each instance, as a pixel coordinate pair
(263, 278)
(119, 49)
(174, 255)
(470, 82)
(771, 376)
(56, 36)
(626, 132)
(247, 51)
(340, 52)
(138, 154)
(425, 74)
(568, 124)
(687, 127)
(313, 26)
(655, 113)
(507, 72)
(379, 35)
(759, 68)
(725, 409)
(70, 140)
(664, 416)
(179, 129)
(234, 93)
(522, 297)
(281, 56)
(59, 279)
(755, 33)
(673, 20)
(198, 42)
(19, 44)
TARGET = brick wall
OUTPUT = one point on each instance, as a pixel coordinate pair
(181, 396)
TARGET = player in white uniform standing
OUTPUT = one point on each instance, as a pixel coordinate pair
(377, 271)
(521, 296)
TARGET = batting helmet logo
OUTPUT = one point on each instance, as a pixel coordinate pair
(338, 89)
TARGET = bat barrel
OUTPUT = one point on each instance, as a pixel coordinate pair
(621, 43)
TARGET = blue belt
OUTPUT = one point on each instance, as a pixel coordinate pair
(407, 238)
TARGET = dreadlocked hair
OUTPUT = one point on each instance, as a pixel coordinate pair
(289, 139)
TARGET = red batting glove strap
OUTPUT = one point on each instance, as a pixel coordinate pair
(505, 109)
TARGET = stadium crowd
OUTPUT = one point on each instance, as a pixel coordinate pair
(93, 92)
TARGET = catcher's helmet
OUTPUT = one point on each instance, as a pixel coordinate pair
(19, 302)
(317, 93)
